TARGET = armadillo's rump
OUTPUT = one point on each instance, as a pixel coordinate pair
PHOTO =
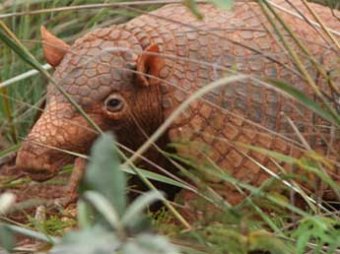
(188, 54)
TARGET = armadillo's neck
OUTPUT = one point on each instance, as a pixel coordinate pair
(147, 35)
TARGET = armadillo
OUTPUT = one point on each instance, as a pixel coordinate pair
(129, 78)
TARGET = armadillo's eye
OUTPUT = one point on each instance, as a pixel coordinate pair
(114, 103)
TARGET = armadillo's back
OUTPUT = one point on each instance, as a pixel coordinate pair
(248, 112)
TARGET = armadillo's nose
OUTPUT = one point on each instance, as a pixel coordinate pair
(37, 164)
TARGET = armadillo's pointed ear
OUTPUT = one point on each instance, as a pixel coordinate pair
(54, 48)
(149, 64)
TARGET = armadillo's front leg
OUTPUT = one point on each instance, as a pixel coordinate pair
(76, 177)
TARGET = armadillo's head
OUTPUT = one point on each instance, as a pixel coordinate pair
(109, 75)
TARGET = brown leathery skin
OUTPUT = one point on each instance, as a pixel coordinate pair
(101, 64)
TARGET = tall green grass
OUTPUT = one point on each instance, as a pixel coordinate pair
(265, 221)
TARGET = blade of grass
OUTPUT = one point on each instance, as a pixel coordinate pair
(91, 7)
(136, 209)
(8, 114)
(23, 76)
(258, 192)
(322, 25)
(299, 162)
(267, 9)
(104, 207)
(25, 55)
(305, 100)
(304, 49)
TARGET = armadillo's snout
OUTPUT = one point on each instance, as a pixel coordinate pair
(47, 147)
(40, 155)
(36, 162)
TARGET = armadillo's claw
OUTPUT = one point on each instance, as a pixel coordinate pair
(73, 184)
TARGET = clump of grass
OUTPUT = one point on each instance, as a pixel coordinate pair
(106, 223)
(265, 221)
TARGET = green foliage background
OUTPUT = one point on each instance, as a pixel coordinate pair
(104, 217)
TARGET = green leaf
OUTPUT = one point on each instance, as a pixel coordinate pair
(321, 230)
(89, 241)
(104, 174)
(105, 208)
(6, 238)
(149, 244)
(134, 213)
(32, 234)
(83, 215)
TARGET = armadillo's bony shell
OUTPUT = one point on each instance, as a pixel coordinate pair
(195, 53)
